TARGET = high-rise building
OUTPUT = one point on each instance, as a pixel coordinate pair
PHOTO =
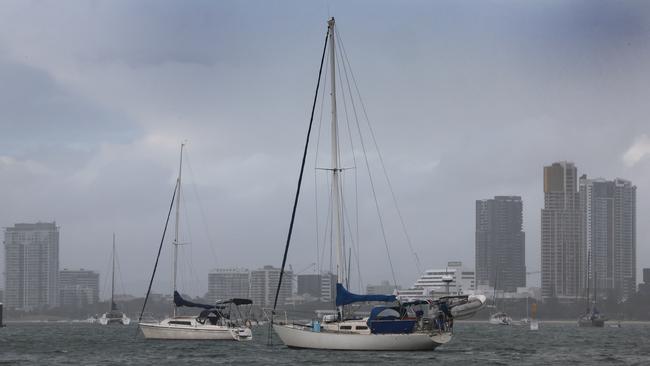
(609, 235)
(78, 288)
(624, 237)
(500, 243)
(562, 253)
(321, 286)
(227, 283)
(31, 266)
(264, 282)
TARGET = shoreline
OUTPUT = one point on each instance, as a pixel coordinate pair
(563, 321)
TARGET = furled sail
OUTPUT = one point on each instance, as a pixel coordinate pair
(344, 297)
(179, 301)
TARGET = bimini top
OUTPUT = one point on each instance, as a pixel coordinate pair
(179, 301)
(344, 297)
(236, 301)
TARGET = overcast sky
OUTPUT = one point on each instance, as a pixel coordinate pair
(467, 99)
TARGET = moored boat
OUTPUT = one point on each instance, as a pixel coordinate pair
(391, 326)
(114, 315)
(220, 321)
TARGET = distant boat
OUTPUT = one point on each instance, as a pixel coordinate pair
(500, 317)
(221, 321)
(113, 316)
(592, 317)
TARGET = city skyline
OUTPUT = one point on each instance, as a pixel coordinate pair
(97, 99)
(503, 214)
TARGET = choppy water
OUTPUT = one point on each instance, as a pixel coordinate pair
(473, 344)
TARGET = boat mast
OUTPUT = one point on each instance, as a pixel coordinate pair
(336, 191)
(110, 307)
(178, 211)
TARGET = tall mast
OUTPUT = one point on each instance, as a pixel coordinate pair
(178, 211)
(336, 191)
(113, 279)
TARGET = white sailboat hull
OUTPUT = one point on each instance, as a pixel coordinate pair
(195, 331)
(299, 337)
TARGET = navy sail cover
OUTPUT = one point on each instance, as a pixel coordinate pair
(179, 301)
(344, 297)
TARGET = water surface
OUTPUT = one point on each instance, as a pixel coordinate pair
(473, 344)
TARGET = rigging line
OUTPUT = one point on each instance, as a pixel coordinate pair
(381, 159)
(119, 272)
(155, 266)
(105, 283)
(374, 194)
(320, 120)
(201, 208)
(356, 250)
(328, 230)
(354, 159)
(305, 269)
(189, 257)
(340, 196)
(302, 169)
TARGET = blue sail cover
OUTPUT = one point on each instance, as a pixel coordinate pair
(344, 297)
(179, 301)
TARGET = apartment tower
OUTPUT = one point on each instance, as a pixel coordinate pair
(31, 266)
(500, 243)
(562, 253)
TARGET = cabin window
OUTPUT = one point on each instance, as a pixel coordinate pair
(361, 327)
(180, 322)
(346, 327)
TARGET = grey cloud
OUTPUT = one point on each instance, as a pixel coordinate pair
(468, 100)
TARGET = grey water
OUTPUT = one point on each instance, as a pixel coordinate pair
(473, 344)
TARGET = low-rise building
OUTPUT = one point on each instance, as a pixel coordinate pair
(78, 288)
(452, 280)
(226, 283)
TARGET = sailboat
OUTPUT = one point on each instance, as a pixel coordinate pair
(500, 317)
(113, 316)
(220, 321)
(393, 326)
(592, 317)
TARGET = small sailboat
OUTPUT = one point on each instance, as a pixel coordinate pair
(392, 326)
(592, 317)
(221, 321)
(500, 317)
(114, 315)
